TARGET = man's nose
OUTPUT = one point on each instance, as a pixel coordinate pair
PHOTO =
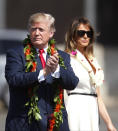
(37, 31)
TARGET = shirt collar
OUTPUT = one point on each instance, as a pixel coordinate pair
(45, 50)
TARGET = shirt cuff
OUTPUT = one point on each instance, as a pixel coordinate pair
(41, 76)
(56, 74)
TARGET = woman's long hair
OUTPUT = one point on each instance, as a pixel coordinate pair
(71, 36)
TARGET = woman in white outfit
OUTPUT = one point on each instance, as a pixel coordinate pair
(85, 101)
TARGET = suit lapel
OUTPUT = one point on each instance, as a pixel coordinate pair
(47, 56)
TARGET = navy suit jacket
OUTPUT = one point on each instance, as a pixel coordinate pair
(19, 81)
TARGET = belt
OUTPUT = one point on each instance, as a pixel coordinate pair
(76, 93)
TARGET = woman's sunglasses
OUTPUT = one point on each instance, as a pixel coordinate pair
(81, 33)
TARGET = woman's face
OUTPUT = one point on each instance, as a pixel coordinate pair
(83, 36)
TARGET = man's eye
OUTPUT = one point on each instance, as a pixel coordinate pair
(33, 29)
(40, 29)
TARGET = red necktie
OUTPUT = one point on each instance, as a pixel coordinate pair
(41, 51)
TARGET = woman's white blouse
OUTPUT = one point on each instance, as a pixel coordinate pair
(84, 84)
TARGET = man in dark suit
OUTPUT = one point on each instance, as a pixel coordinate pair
(35, 78)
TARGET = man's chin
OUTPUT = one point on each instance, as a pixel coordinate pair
(37, 43)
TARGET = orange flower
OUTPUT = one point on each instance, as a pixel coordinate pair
(61, 96)
(52, 123)
(53, 45)
(34, 67)
(57, 107)
(52, 49)
(27, 52)
(59, 102)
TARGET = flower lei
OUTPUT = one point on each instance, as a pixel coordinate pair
(56, 117)
(51, 50)
(97, 78)
(31, 64)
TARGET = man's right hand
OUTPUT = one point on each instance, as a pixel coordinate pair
(51, 64)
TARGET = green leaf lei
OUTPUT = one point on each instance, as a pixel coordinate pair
(51, 48)
(32, 104)
(30, 57)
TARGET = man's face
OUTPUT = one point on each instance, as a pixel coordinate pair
(40, 34)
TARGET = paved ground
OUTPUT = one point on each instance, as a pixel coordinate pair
(113, 111)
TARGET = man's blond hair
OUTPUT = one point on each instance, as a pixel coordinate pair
(38, 17)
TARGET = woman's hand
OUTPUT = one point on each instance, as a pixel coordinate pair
(110, 127)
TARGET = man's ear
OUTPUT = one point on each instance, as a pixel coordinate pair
(51, 34)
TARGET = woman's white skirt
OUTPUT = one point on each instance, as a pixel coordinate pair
(82, 113)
